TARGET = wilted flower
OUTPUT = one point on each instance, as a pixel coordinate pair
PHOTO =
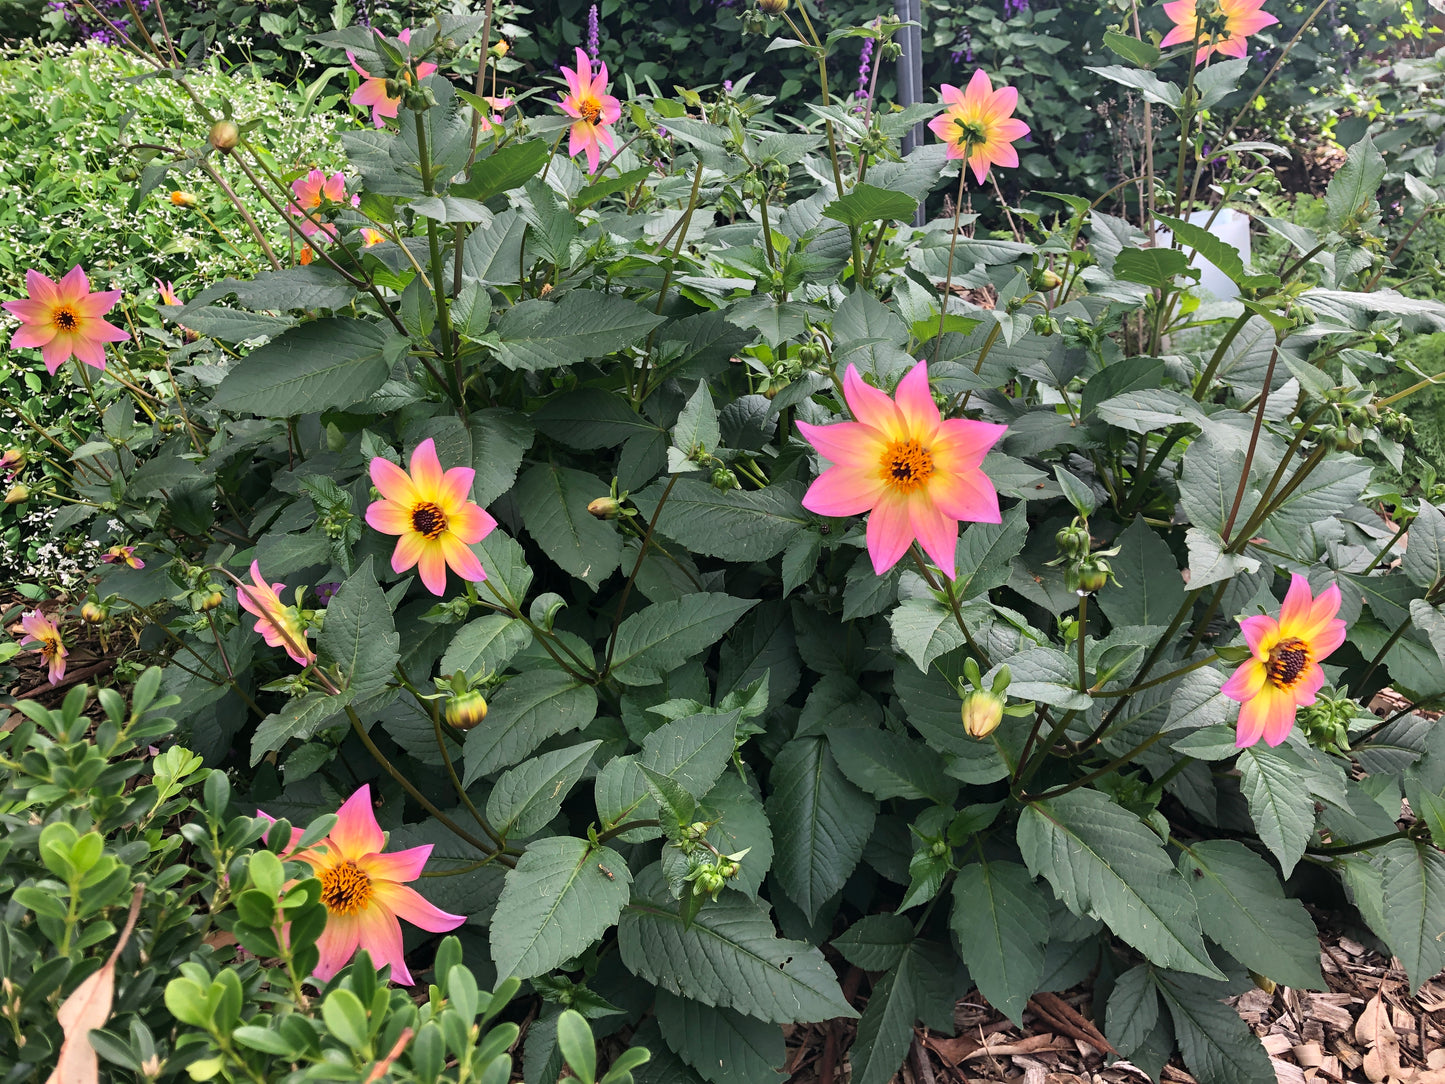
(372, 92)
(12, 462)
(433, 514)
(1222, 25)
(42, 635)
(183, 199)
(592, 108)
(919, 474)
(1285, 672)
(365, 892)
(122, 555)
(224, 136)
(64, 318)
(278, 624)
(979, 125)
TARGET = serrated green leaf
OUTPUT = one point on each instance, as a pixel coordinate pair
(326, 363)
(300, 718)
(1414, 906)
(1244, 910)
(889, 765)
(821, 823)
(485, 644)
(555, 903)
(875, 942)
(1102, 860)
(658, 639)
(538, 334)
(730, 956)
(359, 634)
(1150, 589)
(553, 503)
(525, 712)
(920, 984)
(724, 1046)
(1220, 253)
(866, 204)
(1352, 189)
(1216, 1044)
(736, 525)
(526, 797)
(1424, 558)
(1279, 801)
(1133, 1009)
(1001, 919)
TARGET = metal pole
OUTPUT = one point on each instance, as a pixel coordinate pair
(910, 73)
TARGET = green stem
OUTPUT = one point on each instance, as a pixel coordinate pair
(1117, 762)
(948, 277)
(1207, 377)
(1132, 689)
(1082, 625)
(632, 578)
(466, 800)
(1384, 650)
(1253, 443)
(614, 832)
(1351, 848)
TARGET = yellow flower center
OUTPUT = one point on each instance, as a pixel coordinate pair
(972, 133)
(906, 465)
(345, 889)
(428, 520)
(1288, 661)
(49, 648)
(66, 318)
(590, 108)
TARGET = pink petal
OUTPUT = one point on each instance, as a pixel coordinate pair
(962, 443)
(74, 285)
(33, 312)
(1326, 641)
(889, 533)
(1261, 632)
(456, 487)
(356, 832)
(871, 406)
(942, 127)
(936, 533)
(979, 88)
(410, 905)
(1279, 714)
(849, 444)
(337, 945)
(1004, 101)
(42, 288)
(1324, 609)
(388, 517)
(432, 566)
(950, 94)
(1012, 129)
(409, 548)
(967, 495)
(915, 403)
(32, 335)
(393, 482)
(379, 933)
(844, 491)
(1180, 36)
(460, 559)
(1246, 682)
(1294, 615)
(470, 523)
(399, 866)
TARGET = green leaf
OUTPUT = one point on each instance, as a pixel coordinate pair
(985, 551)
(924, 629)
(1102, 860)
(1424, 558)
(1133, 1009)
(553, 503)
(692, 750)
(1277, 789)
(592, 418)
(1243, 909)
(724, 1046)
(234, 326)
(736, 525)
(291, 288)
(359, 634)
(1217, 1045)
(1150, 410)
(1124, 375)
(730, 956)
(324, 364)
(525, 712)
(697, 425)
(1153, 267)
(676, 804)
(1208, 563)
(1150, 589)
(658, 639)
(1001, 920)
(556, 903)
(507, 168)
(579, 1049)
(875, 942)
(1352, 189)
(300, 718)
(866, 204)
(603, 187)
(526, 797)
(1220, 253)
(499, 440)
(485, 645)
(1079, 494)
(741, 824)
(821, 823)
(889, 765)
(1146, 83)
(921, 985)
(1047, 675)
(540, 334)
(1414, 911)
(1139, 53)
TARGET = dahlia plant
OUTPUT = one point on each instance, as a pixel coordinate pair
(779, 598)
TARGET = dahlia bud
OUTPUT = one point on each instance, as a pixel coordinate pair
(92, 612)
(13, 460)
(17, 493)
(1045, 279)
(1073, 541)
(466, 710)
(211, 599)
(1092, 575)
(772, 7)
(501, 49)
(982, 711)
(1264, 982)
(724, 479)
(605, 508)
(183, 199)
(224, 136)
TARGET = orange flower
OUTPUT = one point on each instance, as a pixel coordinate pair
(365, 892)
(371, 237)
(42, 634)
(64, 318)
(593, 109)
(979, 125)
(1284, 674)
(1221, 27)
(919, 474)
(311, 194)
(432, 513)
(278, 624)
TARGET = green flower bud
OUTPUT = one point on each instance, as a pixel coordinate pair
(724, 479)
(17, 493)
(982, 711)
(772, 7)
(224, 136)
(605, 508)
(1045, 279)
(466, 710)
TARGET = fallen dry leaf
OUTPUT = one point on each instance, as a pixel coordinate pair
(87, 1007)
